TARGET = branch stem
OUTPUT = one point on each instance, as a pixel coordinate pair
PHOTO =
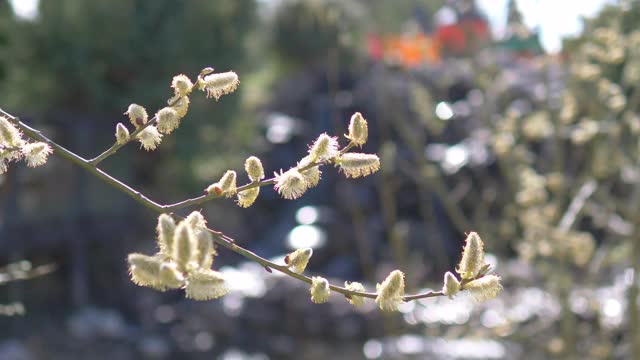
(219, 237)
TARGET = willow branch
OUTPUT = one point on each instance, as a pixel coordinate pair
(116, 146)
(207, 197)
(218, 236)
(9, 275)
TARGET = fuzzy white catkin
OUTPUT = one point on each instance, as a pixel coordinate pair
(181, 85)
(299, 259)
(358, 130)
(145, 270)
(122, 134)
(205, 284)
(168, 120)
(472, 257)
(36, 154)
(149, 138)
(325, 147)
(291, 184)
(228, 183)
(9, 134)
(353, 299)
(184, 245)
(137, 115)
(216, 85)
(485, 288)
(356, 165)
(319, 290)
(451, 285)
(247, 197)
(254, 169)
(391, 291)
(170, 276)
(165, 230)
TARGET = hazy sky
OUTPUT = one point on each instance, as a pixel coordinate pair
(555, 18)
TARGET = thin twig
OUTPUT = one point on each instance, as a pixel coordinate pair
(218, 236)
(116, 146)
(8, 275)
(569, 217)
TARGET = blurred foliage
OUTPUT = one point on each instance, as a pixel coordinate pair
(495, 143)
(91, 59)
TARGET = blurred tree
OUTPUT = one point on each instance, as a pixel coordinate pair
(95, 58)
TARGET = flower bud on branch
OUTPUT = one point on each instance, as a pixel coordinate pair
(291, 184)
(391, 291)
(168, 120)
(184, 246)
(298, 260)
(9, 134)
(353, 299)
(247, 197)
(216, 85)
(149, 138)
(356, 165)
(137, 115)
(225, 186)
(472, 257)
(145, 270)
(36, 154)
(325, 147)
(166, 228)
(253, 167)
(484, 288)
(319, 290)
(122, 134)
(181, 85)
(205, 284)
(451, 285)
(358, 130)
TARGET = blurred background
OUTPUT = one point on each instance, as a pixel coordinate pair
(515, 119)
